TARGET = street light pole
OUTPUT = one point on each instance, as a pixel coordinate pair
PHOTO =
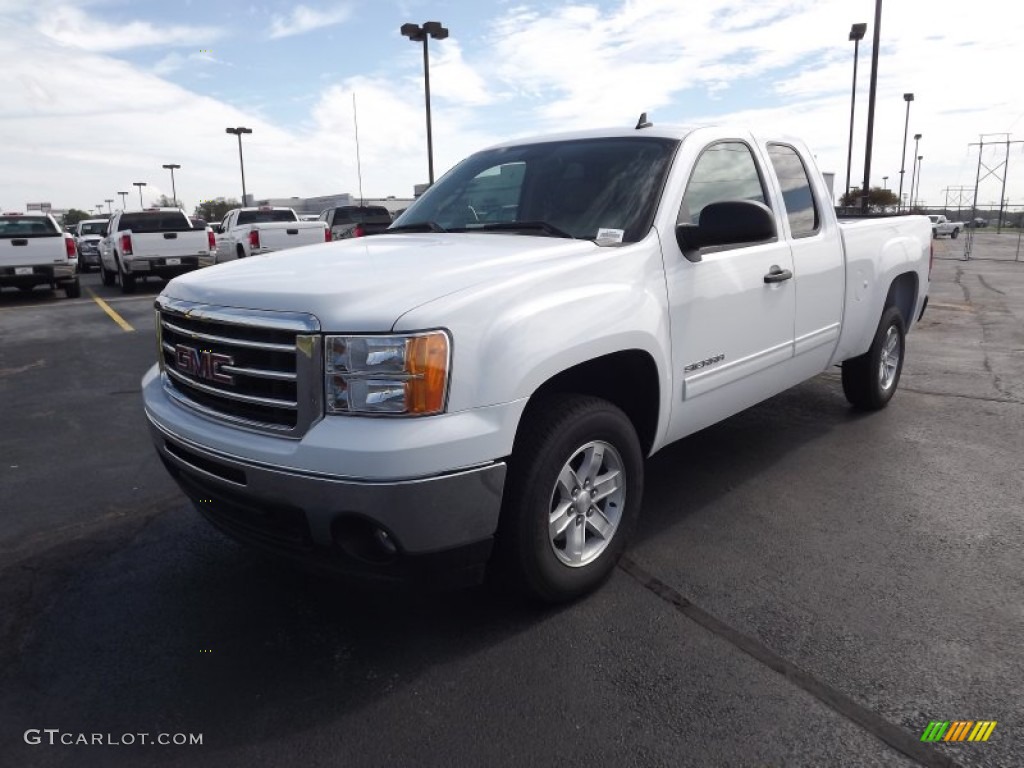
(885, 183)
(915, 191)
(238, 132)
(856, 35)
(865, 189)
(140, 185)
(108, 201)
(416, 34)
(174, 191)
(907, 97)
(913, 174)
(124, 201)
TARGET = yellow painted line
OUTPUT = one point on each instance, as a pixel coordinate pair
(125, 326)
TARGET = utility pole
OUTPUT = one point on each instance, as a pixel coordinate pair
(991, 171)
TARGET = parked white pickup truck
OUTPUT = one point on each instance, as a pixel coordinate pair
(34, 250)
(156, 242)
(482, 383)
(254, 231)
(943, 226)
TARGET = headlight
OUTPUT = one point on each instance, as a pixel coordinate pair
(398, 375)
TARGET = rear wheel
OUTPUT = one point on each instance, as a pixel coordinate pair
(240, 251)
(106, 275)
(870, 381)
(73, 290)
(573, 495)
(955, 234)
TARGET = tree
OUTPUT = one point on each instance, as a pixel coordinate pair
(215, 210)
(878, 199)
(72, 216)
(165, 202)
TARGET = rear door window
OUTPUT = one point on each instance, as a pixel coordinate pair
(796, 190)
(154, 221)
(27, 226)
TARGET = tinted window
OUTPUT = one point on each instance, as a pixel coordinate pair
(154, 221)
(724, 171)
(577, 186)
(259, 217)
(796, 189)
(366, 214)
(27, 226)
(92, 228)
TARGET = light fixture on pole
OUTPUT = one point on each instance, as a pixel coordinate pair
(417, 34)
(124, 201)
(108, 201)
(238, 132)
(907, 97)
(99, 208)
(856, 35)
(140, 185)
(174, 191)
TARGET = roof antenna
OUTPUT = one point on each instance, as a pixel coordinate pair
(359, 165)
(642, 122)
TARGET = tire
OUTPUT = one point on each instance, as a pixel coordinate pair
(870, 381)
(955, 234)
(554, 557)
(106, 276)
(126, 279)
(26, 288)
(73, 290)
(935, 234)
(240, 251)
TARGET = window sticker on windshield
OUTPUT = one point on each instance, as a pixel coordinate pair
(609, 236)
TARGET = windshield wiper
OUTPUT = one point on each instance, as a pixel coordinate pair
(512, 226)
(419, 226)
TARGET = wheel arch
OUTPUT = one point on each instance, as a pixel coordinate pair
(629, 379)
(903, 295)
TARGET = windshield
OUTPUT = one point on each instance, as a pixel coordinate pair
(92, 228)
(574, 187)
(262, 217)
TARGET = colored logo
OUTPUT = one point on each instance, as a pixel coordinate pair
(958, 730)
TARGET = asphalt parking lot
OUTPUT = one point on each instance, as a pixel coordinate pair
(808, 586)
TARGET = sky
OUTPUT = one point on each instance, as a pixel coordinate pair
(98, 94)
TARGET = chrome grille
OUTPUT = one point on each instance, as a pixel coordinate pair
(256, 369)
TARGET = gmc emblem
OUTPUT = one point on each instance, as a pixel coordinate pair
(203, 363)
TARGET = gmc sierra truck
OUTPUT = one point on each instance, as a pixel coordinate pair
(256, 231)
(88, 234)
(34, 250)
(473, 392)
(156, 242)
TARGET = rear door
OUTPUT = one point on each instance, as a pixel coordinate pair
(817, 250)
(732, 332)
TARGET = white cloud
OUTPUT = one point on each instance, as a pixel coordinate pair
(305, 19)
(73, 27)
(175, 61)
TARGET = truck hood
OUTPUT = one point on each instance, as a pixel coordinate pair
(366, 284)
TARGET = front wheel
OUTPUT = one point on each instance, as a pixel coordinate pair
(573, 495)
(870, 381)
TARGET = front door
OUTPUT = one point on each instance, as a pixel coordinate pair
(732, 331)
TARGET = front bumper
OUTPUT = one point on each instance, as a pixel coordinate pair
(391, 530)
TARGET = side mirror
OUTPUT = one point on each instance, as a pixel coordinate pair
(729, 222)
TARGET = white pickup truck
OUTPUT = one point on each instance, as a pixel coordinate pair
(481, 384)
(34, 250)
(943, 226)
(266, 229)
(155, 242)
